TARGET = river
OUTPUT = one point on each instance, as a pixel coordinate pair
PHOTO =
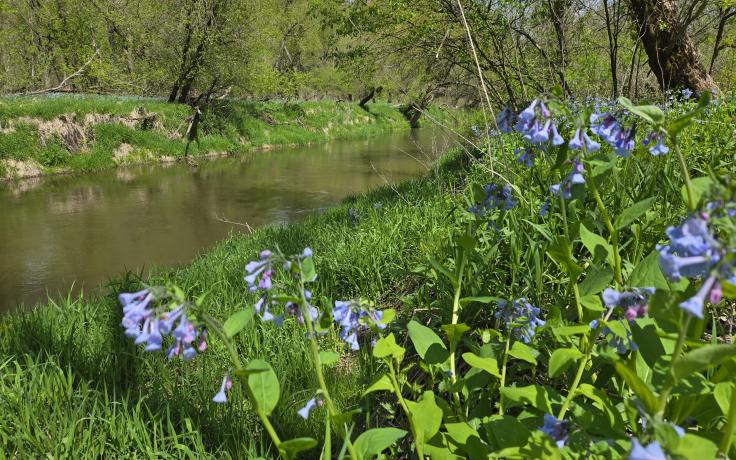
(63, 234)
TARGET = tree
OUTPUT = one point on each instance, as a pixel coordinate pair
(673, 58)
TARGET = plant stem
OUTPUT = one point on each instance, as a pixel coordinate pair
(503, 374)
(455, 318)
(314, 349)
(730, 425)
(675, 356)
(686, 175)
(611, 231)
(418, 442)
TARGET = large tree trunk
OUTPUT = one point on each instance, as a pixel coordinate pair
(672, 55)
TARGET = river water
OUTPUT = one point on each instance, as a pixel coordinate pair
(83, 230)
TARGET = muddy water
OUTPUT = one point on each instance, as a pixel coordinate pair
(80, 231)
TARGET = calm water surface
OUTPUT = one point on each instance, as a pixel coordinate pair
(83, 230)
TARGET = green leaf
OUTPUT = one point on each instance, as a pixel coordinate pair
(648, 274)
(439, 268)
(387, 346)
(237, 322)
(561, 359)
(596, 244)
(375, 440)
(638, 387)
(649, 113)
(692, 446)
(455, 332)
(264, 385)
(489, 365)
(722, 395)
(559, 251)
(592, 302)
(701, 186)
(428, 344)
(565, 331)
(729, 289)
(382, 383)
(533, 395)
(506, 431)
(427, 416)
(328, 357)
(701, 359)
(596, 280)
(524, 352)
(633, 212)
(615, 420)
(309, 274)
(467, 438)
(483, 300)
(296, 445)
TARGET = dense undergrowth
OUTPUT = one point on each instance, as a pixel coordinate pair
(68, 362)
(63, 133)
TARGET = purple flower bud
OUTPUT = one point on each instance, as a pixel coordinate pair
(221, 396)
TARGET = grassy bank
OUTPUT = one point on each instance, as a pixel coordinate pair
(65, 133)
(71, 384)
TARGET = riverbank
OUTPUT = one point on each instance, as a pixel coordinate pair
(56, 134)
(69, 373)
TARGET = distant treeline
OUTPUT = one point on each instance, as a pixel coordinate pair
(408, 51)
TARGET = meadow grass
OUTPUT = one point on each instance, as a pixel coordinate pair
(379, 250)
(229, 127)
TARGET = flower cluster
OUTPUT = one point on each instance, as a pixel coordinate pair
(580, 139)
(575, 177)
(259, 272)
(354, 315)
(694, 252)
(536, 125)
(290, 309)
(606, 127)
(559, 430)
(634, 303)
(521, 317)
(504, 119)
(145, 325)
(494, 197)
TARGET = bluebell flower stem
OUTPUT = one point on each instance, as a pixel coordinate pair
(670, 382)
(503, 374)
(613, 233)
(455, 318)
(418, 442)
(728, 431)
(686, 176)
(314, 349)
(216, 327)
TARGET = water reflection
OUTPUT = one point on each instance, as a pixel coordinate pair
(83, 230)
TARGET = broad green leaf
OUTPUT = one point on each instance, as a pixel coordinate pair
(387, 346)
(648, 274)
(729, 290)
(701, 186)
(561, 359)
(693, 446)
(489, 365)
(296, 445)
(649, 113)
(382, 383)
(596, 244)
(633, 212)
(524, 352)
(533, 395)
(427, 416)
(506, 431)
(483, 300)
(559, 251)
(374, 441)
(615, 420)
(596, 281)
(565, 331)
(701, 359)
(722, 395)
(467, 438)
(638, 387)
(328, 357)
(309, 274)
(455, 331)
(428, 344)
(237, 322)
(263, 385)
(592, 302)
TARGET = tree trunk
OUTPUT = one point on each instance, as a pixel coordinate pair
(672, 55)
(724, 15)
(367, 98)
